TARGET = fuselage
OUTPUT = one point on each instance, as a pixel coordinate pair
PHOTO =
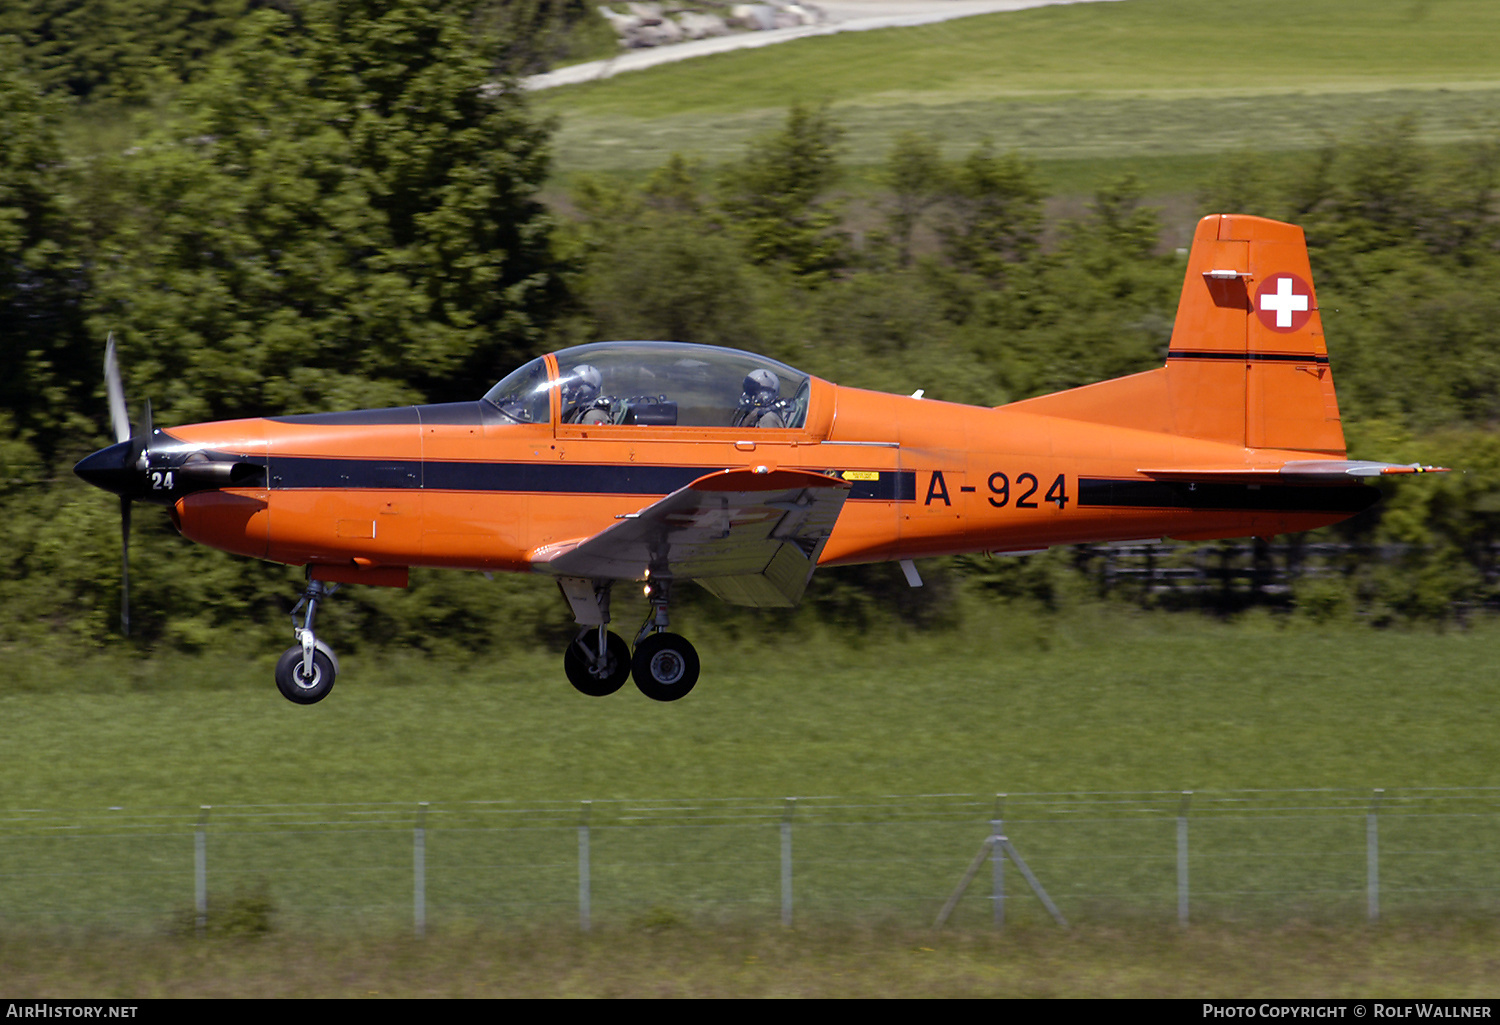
(460, 486)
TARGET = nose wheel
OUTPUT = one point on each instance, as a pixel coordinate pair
(299, 684)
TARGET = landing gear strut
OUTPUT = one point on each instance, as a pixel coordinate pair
(307, 670)
(665, 665)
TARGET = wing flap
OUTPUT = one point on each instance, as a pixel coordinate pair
(752, 537)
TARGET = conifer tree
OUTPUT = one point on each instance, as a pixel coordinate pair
(345, 215)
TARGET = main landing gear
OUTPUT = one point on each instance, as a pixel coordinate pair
(306, 671)
(597, 662)
(665, 666)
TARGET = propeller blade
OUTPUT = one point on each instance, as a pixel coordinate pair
(119, 418)
(124, 566)
(118, 415)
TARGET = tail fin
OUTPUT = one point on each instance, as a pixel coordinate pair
(1247, 364)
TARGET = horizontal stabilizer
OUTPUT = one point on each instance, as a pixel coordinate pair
(751, 537)
(1304, 471)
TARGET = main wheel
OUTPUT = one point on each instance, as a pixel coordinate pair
(306, 689)
(583, 672)
(665, 667)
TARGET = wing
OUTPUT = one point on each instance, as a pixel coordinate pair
(751, 537)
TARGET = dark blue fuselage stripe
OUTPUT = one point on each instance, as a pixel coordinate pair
(1098, 491)
(893, 486)
(289, 472)
(561, 477)
(1248, 357)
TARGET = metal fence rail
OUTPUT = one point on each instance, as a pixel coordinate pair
(1188, 857)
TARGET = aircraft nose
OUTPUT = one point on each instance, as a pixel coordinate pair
(110, 468)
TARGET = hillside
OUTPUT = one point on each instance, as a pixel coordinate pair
(1144, 78)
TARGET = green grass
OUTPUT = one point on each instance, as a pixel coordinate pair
(1454, 961)
(1162, 47)
(1139, 79)
(1080, 702)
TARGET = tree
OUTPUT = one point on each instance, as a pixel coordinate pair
(454, 161)
(41, 282)
(994, 217)
(917, 179)
(533, 35)
(119, 49)
(660, 263)
(345, 215)
(1100, 305)
(777, 196)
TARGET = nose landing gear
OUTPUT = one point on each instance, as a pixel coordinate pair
(307, 670)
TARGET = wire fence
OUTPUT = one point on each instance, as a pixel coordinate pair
(1169, 856)
(1235, 574)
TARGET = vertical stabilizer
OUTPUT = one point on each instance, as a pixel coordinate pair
(1247, 362)
(1246, 365)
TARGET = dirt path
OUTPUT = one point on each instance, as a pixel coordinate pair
(843, 16)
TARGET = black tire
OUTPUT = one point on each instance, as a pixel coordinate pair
(296, 689)
(578, 663)
(665, 667)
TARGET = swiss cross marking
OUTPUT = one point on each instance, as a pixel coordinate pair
(1284, 302)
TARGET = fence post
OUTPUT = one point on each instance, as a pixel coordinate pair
(419, 872)
(997, 865)
(1372, 857)
(786, 862)
(1182, 859)
(200, 870)
(583, 868)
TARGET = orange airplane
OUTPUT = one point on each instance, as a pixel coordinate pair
(664, 462)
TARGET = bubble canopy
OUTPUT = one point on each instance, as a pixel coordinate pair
(656, 383)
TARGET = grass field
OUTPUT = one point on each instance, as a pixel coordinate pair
(1130, 81)
(1299, 961)
(1080, 702)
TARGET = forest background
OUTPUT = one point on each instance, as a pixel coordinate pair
(298, 205)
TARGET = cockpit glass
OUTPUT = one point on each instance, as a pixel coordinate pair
(523, 395)
(678, 384)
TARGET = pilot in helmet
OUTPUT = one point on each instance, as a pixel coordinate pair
(760, 405)
(580, 392)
